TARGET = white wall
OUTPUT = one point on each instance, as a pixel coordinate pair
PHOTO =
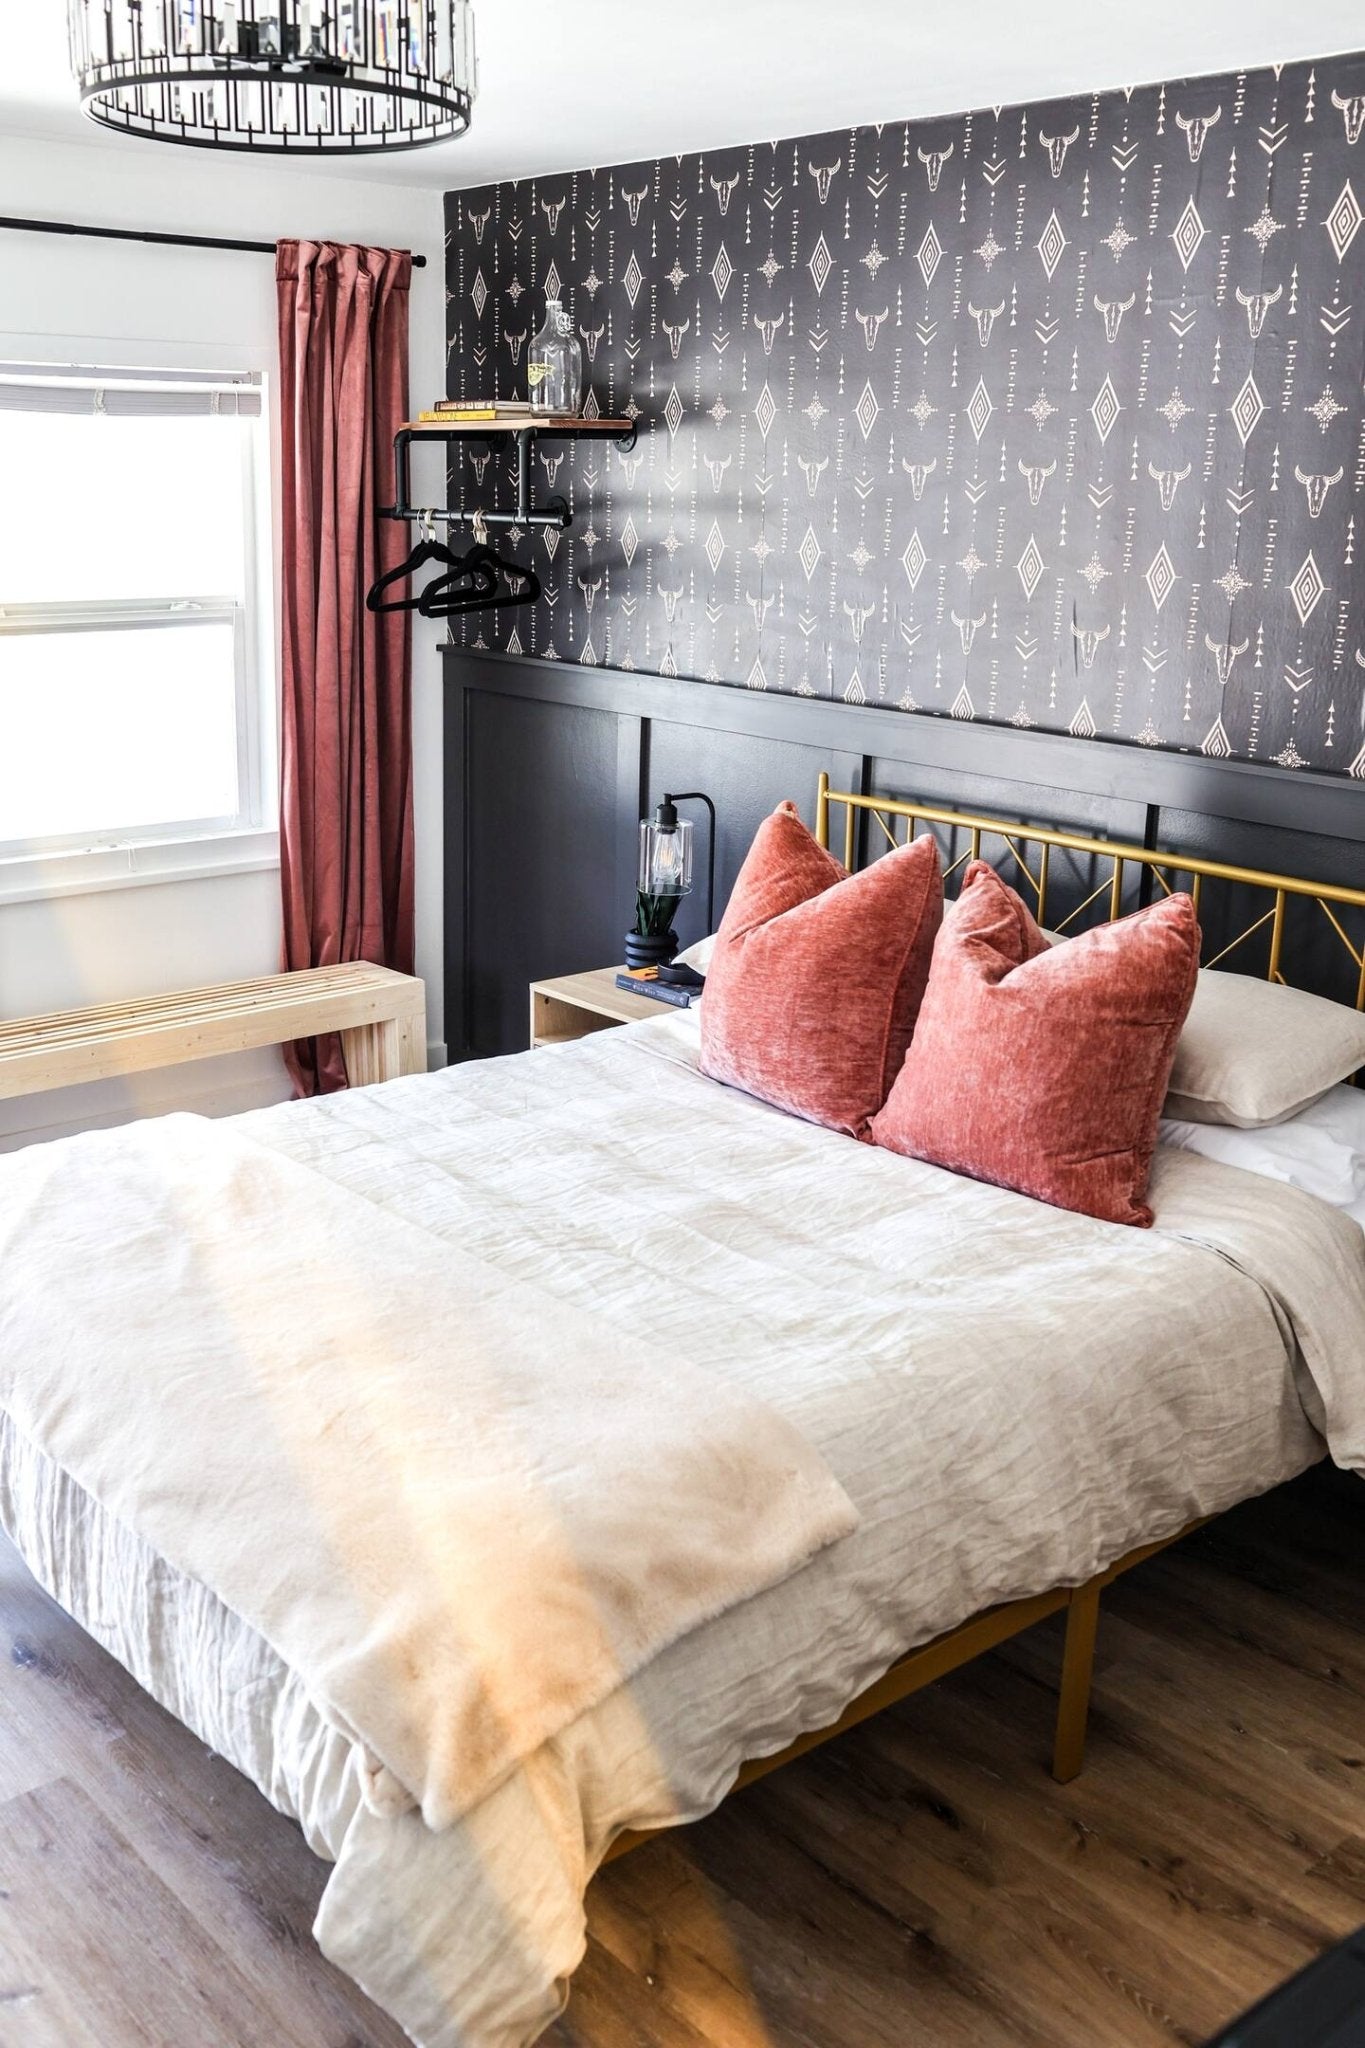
(101, 947)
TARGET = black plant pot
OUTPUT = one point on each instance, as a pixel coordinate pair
(642, 951)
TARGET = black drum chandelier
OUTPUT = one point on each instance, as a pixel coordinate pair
(299, 77)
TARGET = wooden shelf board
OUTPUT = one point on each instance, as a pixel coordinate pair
(539, 423)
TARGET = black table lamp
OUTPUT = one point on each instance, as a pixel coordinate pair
(663, 878)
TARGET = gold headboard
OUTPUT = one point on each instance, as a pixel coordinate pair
(1152, 867)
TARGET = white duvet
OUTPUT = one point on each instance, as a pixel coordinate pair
(1011, 1396)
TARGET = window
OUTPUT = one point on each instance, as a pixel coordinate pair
(133, 719)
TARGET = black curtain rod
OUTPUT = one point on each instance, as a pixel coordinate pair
(71, 227)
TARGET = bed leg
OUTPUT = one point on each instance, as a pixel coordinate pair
(1073, 1704)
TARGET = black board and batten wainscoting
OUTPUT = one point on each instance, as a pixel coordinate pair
(549, 766)
(1014, 459)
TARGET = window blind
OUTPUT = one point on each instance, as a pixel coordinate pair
(139, 394)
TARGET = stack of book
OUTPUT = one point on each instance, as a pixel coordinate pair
(457, 412)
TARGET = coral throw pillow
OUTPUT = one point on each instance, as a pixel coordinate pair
(817, 975)
(1040, 1067)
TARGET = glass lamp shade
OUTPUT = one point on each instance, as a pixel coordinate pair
(665, 856)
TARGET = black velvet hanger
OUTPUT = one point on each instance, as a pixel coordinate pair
(509, 583)
(428, 549)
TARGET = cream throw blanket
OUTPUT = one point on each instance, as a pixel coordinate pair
(463, 1511)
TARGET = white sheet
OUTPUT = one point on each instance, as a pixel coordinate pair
(1321, 1149)
(846, 1286)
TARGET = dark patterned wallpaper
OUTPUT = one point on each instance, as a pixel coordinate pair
(1047, 415)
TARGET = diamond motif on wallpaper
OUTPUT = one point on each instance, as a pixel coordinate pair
(552, 280)
(914, 559)
(1160, 577)
(1051, 243)
(1325, 409)
(715, 545)
(1306, 588)
(929, 254)
(1232, 583)
(478, 292)
(673, 411)
(979, 409)
(1344, 220)
(809, 553)
(821, 263)
(765, 412)
(1030, 567)
(722, 270)
(630, 540)
(633, 278)
(1264, 228)
(1106, 409)
(1246, 409)
(867, 410)
(1187, 234)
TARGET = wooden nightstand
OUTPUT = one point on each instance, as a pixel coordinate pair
(573, 1005)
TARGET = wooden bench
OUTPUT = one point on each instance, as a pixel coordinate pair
(380, 1016)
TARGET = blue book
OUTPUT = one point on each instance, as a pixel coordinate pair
(660, 991)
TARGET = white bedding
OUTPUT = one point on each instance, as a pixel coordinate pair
(1011, 1396)
(1320, 1149)
(449, 1501)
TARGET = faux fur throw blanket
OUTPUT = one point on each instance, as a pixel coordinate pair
(464, 1512)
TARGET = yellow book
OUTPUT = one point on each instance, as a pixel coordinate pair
(471, 412)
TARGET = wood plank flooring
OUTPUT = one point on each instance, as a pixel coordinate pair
(920, 1884)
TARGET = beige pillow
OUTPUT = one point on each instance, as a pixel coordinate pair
(1253, 1052)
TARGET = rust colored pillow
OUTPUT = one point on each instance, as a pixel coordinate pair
(817, 975)
(1043, 1068)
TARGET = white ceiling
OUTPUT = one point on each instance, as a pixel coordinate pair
(569, 83)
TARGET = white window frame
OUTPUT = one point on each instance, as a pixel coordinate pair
(246, 841)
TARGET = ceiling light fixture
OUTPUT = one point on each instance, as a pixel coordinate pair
(294, 77)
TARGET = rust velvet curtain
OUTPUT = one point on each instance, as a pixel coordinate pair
(346, 843)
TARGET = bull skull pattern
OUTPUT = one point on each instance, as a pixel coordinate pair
(1047, 416)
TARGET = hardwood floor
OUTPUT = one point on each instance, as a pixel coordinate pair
(920, 1884)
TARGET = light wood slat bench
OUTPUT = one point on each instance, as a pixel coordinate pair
(380, 1015)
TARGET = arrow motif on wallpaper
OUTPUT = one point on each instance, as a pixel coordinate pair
(1091, 385)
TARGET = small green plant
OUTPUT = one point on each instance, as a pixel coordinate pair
(654, 915)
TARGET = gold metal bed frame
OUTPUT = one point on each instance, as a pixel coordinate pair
(986, 1631)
